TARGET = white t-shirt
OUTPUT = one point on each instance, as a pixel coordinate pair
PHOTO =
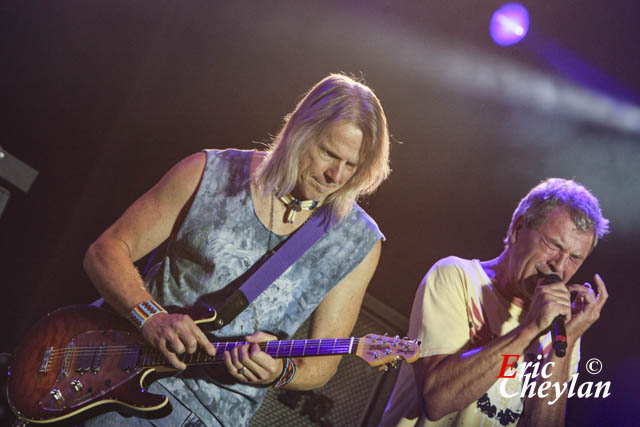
(457, 309)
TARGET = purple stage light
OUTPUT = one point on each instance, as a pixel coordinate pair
(509, 24)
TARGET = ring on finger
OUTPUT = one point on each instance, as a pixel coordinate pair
(241, 371)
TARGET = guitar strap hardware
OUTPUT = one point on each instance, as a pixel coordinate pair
(292, 249)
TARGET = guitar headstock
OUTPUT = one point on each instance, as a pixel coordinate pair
(383, 350)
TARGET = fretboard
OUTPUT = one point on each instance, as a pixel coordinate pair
(277, 349)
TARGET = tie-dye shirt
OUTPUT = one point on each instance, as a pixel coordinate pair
(219, 240)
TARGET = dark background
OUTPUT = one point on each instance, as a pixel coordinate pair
(102, 97)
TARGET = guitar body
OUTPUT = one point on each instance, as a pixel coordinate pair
(83, 358)
(82, 380)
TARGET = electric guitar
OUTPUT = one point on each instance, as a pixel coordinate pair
(83, 358)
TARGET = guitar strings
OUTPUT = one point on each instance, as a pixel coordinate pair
(285, 348)
(312, 344)
(61, 353)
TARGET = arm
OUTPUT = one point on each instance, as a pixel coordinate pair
(334, 317)
(144, 225)
(451, 382)
(585, 312)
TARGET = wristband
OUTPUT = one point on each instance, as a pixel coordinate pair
(144, 311)
(288, 372)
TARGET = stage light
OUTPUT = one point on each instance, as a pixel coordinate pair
(509, 24)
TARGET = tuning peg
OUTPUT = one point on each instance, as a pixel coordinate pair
(398, 362)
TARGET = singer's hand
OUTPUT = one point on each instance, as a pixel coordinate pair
(586, 306)
(548, 302)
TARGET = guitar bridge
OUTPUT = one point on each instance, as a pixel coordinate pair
(45, 361)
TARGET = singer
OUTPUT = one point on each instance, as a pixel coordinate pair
(469, 313)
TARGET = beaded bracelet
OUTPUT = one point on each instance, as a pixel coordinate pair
(144, 311)
(288, 372)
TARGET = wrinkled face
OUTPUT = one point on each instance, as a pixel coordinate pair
(330, 163)
(554, 247)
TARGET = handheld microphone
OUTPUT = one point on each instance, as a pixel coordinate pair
(558, 332)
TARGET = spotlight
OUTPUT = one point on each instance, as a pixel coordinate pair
(509, 24)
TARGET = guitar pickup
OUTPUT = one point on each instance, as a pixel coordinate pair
(97, 359)
(69, 352)
(129, 359)
(85, 358)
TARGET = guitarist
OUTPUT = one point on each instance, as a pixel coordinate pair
(222, 212)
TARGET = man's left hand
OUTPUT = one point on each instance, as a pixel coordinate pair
(587, 306)
(248, 364)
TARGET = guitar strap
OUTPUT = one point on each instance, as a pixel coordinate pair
(292, 249)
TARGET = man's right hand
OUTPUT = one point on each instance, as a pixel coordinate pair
(548, 302)
(175, 334)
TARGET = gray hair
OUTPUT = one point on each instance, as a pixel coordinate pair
(335, 99)
(553, 192)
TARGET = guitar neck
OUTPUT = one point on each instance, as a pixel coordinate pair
(298, 348)
(275, 349)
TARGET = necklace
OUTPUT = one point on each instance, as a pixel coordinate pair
(270, 223)
(294, 206)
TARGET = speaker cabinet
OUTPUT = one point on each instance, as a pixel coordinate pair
(355, 396)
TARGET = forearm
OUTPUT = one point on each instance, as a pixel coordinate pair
(550, 409)
(111, 270)
(460, 379)
(334, 317)
(313, 372)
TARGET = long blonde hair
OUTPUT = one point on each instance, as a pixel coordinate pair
(336, 98)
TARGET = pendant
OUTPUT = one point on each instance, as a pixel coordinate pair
(294, 206)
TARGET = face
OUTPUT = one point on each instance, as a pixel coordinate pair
(330, 163)
(554, 247)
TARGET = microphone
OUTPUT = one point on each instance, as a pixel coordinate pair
(558, 332)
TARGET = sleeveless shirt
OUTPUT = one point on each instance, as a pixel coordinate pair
(220, 239)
